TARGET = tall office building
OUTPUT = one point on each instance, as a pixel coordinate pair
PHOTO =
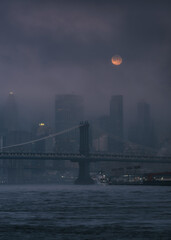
(116, 124)
(145, 131)
(38, 131)
(10, 114)
(69, 111)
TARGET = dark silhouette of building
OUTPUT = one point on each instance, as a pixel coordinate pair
(41, 130)
(17, 137)
(11, 134)
(142, 131)
(69, 111)
(145, 131)
(116, 124)
(100, 133)
(15, 169)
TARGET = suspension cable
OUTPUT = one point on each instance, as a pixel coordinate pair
(43, 138)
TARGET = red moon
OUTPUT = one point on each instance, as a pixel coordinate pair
(116, 60)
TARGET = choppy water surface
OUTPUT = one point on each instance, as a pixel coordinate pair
(85, 212)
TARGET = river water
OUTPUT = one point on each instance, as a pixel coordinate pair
(85, 212)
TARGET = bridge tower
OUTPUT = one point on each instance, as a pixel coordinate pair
(84, 165)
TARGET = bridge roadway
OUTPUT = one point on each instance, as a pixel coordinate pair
(92, 157)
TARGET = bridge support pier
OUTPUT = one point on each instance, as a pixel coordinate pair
(84, 165)
(84, 174)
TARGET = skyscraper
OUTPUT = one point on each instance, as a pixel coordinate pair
(145, 131)
(41, 130)
(116, 124)
(69, 111)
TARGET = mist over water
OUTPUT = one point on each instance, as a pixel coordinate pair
(85, 212)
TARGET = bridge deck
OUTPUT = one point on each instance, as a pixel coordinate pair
(74, 157)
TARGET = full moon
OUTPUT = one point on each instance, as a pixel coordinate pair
(116, 60)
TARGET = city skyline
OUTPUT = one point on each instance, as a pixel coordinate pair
(113, 129)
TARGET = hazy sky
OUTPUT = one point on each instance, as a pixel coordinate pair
(50, 47)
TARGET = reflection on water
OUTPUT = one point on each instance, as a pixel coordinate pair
(85, 212)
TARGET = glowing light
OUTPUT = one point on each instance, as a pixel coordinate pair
(11, 93)
(116, 60)
(41, 124)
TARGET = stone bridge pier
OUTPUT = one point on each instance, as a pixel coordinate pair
(84, 165)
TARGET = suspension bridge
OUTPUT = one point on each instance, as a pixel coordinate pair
(83, 158)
